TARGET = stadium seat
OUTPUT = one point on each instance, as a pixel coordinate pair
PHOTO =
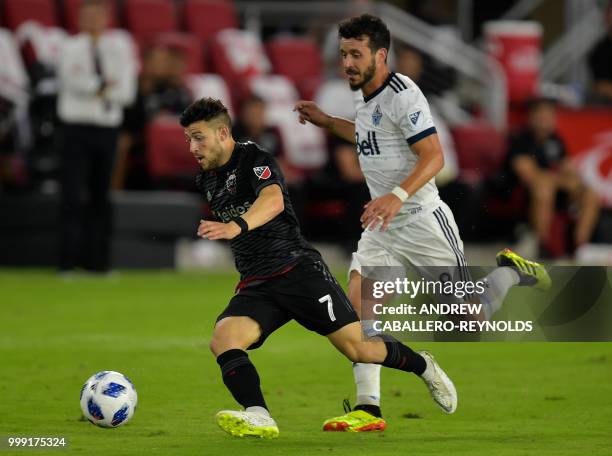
(168, 156)
(480, 149)
(70, 14)
(210, 85)
(274, 89)
(304, 145)
(18, 11)
(205, 18)
(188, 44)
(299, 59)
(238, 55)
(146, 18)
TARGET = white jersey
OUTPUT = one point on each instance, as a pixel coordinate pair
(387, 123)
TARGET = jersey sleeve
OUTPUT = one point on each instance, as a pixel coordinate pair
(411, 113)
(264, 171)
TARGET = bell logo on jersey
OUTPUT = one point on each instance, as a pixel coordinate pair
(262, 172)
(367, 146)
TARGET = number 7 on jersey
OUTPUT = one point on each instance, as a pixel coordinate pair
(330, 306)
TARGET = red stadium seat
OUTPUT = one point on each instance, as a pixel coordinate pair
(299, 59)
(205, 18)
(146, 18)
(237, 56)
(71, 9)
(168, 155)
(480, 150)
(18, 11)
(188, 44)
(210, 85)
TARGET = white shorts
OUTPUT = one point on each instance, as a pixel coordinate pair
(432, 240)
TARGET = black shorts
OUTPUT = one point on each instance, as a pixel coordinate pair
(308, 294)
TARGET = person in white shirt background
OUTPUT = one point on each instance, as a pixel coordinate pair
(97, 79)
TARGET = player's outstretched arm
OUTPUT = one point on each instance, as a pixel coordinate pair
(310, 112)
(268, 205)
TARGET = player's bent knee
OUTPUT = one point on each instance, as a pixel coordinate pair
(234, 332)
(221, 343)
(361, 352)
(366, 353)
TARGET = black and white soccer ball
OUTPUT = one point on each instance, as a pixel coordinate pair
(108, 399)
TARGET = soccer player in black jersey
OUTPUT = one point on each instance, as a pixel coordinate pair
(282, 277)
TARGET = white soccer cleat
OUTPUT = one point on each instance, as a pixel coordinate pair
(241, 424)
(440, 387)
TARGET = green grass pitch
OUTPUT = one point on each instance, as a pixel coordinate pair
(514, 398)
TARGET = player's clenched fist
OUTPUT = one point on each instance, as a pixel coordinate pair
(310, 112)
(216, 230)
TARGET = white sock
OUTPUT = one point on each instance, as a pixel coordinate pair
(367, 380)
(258, 409)
(499, 282)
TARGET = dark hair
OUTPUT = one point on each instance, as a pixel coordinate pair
(102, 3)
(253, 98)
(535, 103)
(366, 24)
(206, 109)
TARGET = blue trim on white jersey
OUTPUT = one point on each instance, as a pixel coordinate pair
(421, 135)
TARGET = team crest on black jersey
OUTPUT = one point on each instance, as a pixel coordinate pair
(230, 183)
(262, 172)
(377, 115)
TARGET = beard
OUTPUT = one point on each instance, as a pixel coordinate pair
(368, 75)
(215, 159)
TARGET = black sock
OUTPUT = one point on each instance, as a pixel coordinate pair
(241, 378)
(401, 357)
(371, 409)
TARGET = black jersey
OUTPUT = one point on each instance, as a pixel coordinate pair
(231, 190)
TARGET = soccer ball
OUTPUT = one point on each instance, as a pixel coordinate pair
(108, 399)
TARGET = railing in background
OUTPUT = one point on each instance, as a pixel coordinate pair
(483, 79)
(571, 49)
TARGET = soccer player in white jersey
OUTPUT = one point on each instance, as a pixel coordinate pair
(406, 223)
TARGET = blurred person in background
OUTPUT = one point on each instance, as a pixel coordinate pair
(96, 80)
(252, 126)
(600, 63)
(460, 196)
(342, 176)
(161, 91)
(410, 62)
(537, 159)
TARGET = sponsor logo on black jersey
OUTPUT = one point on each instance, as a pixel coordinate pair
(228, 213)
(368, 146)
